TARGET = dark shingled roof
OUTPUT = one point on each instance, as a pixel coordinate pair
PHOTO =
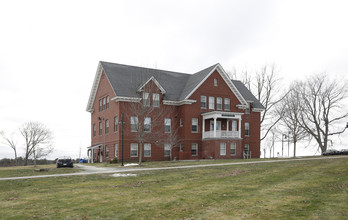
(126, 80)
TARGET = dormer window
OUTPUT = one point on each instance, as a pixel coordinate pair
(215, 82)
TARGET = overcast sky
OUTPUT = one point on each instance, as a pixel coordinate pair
(49, 50)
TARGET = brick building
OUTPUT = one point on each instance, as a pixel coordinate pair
(211, 115)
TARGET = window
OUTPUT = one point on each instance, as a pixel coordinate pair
(194, 149)
(227, 104)
(167, 149)
(104, 103)
(94, 130)
(181, 122)
(215, 82)
(107, 101)
(106, 126)
(147, 150)
(234, 125)
(203, 102)
(219, 103)
(155, 100)
(146, 99)
(106, 151)
(233, 149)
(194, 125)
(147, 124)
(247, 129)
(134, 150)
(247, 110)
(100, 105)
(181, 147)
(134, 123)
(116, 150)
(222, 149)
(246, 148)
(100, 128)
(211, 102)
(115, 123)
(167, 125)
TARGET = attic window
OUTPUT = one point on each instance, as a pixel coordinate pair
(215, 82)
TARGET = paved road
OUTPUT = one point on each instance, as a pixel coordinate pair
(89, 170)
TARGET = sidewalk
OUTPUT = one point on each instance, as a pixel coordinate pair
(89, 170)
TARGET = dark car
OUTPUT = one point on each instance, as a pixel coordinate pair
(344, 151)
(65, 162)
(331, 152)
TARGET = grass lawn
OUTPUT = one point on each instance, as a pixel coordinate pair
(316, 189)
(31, 170)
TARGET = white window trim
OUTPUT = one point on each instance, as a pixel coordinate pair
(131, 150)
(168, 149)
(235, 149)
(205, 102)
(217, 103)
(193, 125)
(194, 144)
(211, 102)
(148, 150)
(221, 148)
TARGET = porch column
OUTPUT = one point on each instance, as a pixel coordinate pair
(203, 128)
(92, 154)
(214, 127)
(240, 127)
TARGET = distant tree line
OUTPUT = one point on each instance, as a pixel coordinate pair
(7, 162)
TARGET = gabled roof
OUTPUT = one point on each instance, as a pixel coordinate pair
(176, 87)
(247, 95)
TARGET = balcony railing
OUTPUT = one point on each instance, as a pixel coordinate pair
(221, 134)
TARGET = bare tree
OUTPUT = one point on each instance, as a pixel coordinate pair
(146, 116)
(322, 107)
(265, 85)
(9, 141)
(38, 140)
(172, 139)
(289, 111)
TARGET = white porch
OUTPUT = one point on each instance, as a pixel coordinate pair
(215, 125)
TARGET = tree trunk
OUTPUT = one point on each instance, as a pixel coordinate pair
(294, 148)
(140, 153)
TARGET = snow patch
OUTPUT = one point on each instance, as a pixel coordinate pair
(123, 174)
(131, 164)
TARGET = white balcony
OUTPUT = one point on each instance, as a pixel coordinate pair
(221, 134)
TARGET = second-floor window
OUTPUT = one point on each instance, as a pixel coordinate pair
(194, 125)
(94, 130)
(115, 123)
(167, 125)
(219, 103)
(155, 100)
(104, 103)
(134, 123)
(247, 129)
(147, 124)
(211, 102)
(100, 128)
(100, 105)
(106, 126)
(227, 104)
(107, 102)
(234, 125)
(203, 102)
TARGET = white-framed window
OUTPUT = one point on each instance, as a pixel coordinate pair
(181, 147)
(233, 149)
(247, 110)
(247, 129)
(116, 150)
(115, 123)
(155, 100)
(107, 101)
(106, 151)
(134, 123)
(104, 103)
(215, 82)
(100, 128)
(194, 149)
(203, 102)
(147, 150)
(194, 125)
(134, 150)
(94, 130)
(100, 105)
(146, 99)
(167, 125)
(167, 148)
(227, 104)
(181, 122)
(219, 103)
(222, 149)
(211, 102)
(246, 148)
(234, 125)
(147, 124)
(106, 126)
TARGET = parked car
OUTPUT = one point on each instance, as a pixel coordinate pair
(65, 162)
(344, 151)
(331, 152)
